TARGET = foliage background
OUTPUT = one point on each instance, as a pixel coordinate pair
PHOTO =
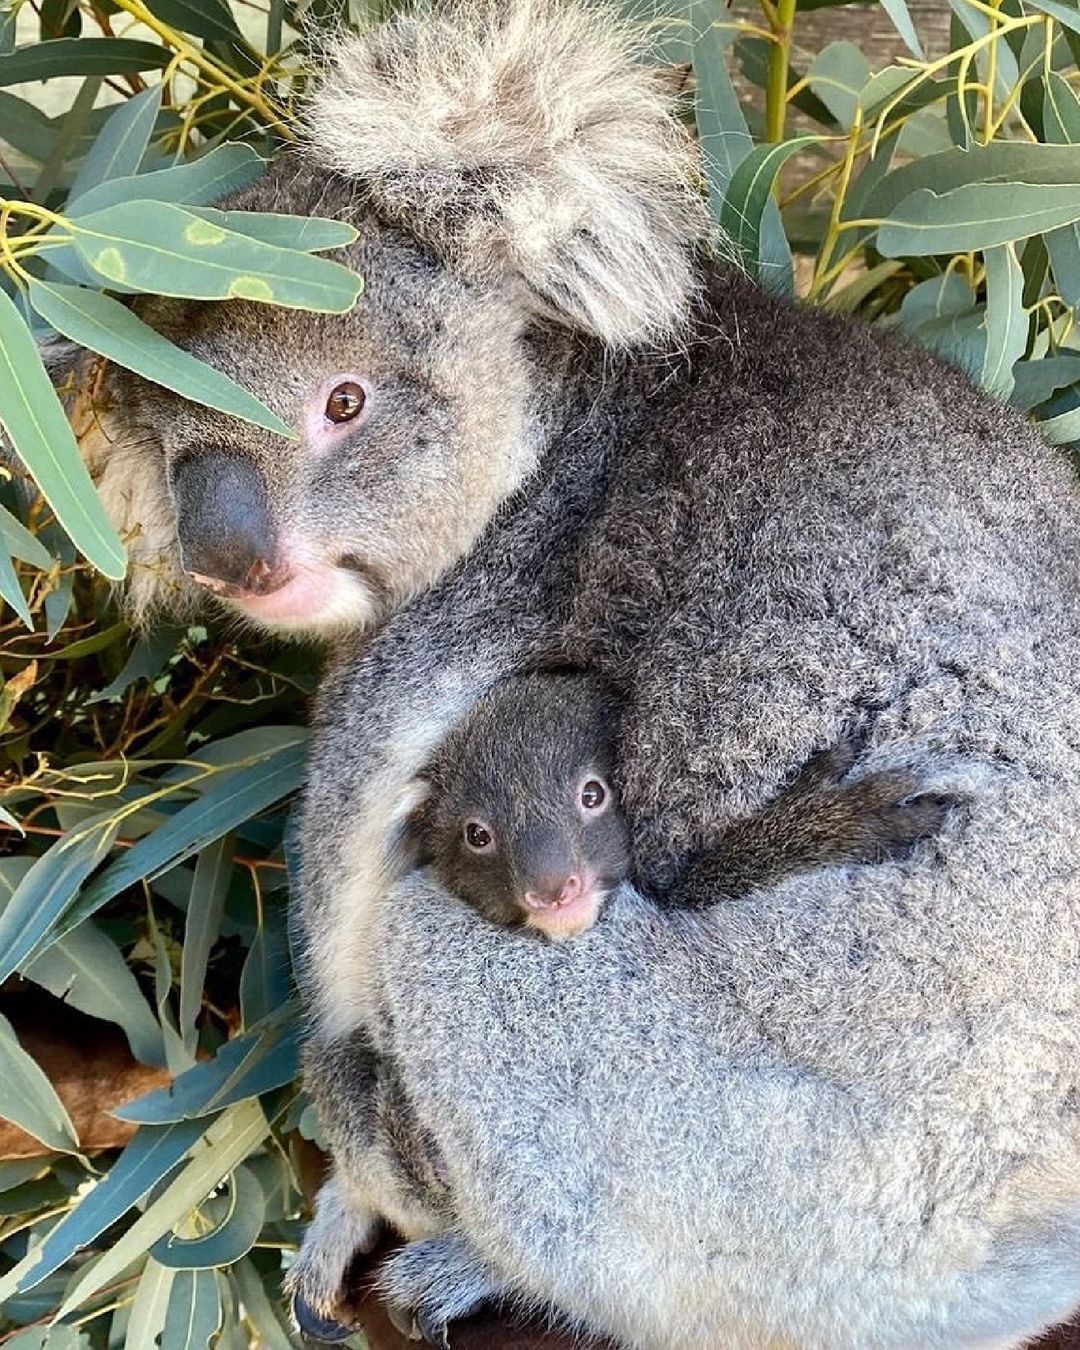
(147, 777)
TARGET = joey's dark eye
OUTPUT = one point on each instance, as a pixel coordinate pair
(593, 795)
(478, 837)
(346, 401)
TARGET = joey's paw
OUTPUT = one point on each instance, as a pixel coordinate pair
(429, 1284)
(321, 1278)
(896, 828)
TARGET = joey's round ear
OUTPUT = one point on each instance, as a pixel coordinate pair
(524, 136)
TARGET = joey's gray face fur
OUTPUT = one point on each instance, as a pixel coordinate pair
(439, 424)
(524, 820)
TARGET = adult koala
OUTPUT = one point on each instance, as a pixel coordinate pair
(845, 1112)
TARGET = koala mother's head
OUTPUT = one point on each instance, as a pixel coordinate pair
(511, 169)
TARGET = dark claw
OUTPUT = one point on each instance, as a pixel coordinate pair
(318, 1330)
(434, 1330)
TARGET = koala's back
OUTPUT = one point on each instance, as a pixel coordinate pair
(817, 526)
(841, 1112)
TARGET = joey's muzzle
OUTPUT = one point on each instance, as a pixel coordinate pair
(228, 541)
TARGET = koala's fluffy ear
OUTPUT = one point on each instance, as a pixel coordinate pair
(525, 135)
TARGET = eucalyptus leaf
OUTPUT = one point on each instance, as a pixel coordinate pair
(898, 11)
(748, 194)
(121, 144)
(838, 75)
(194, 1314)
(81, 56)
(161, 248)
(976, 216)
(106, 326)
(148, 1160)
(207, 905)
(28, 1099)
(151, 1307)
(233, 1237)
(34, 419)
(1006, 319)
(204, 18)
(228, 1141)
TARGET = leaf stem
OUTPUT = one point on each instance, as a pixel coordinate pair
(781, 17)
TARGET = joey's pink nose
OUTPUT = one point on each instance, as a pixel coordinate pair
(555, 896)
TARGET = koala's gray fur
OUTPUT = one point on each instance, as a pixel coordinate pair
(845, 1111)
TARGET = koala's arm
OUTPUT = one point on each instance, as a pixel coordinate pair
(822, 818)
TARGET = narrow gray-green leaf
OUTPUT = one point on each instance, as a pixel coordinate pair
(121, 144)
(207, 904)
(1061, 111)
(150, 1157)
(1038, 381)
(39, 430)
(81, 56)
(221, 808)
(228, 1142)
(151, 1307)
(231, 1239)
(86, 970)
(108, 327)
(1006, 319)
(194, 1314)
(1063, 247)
(28, 1099)
(309, 234)
(21, 544)
(149, 656)
(838, 75)
(897, 10)
(12, 592)
(1069, 15)
(48, 889)
(210, 19)
(976, 216)
(161, 248)
(748, 194)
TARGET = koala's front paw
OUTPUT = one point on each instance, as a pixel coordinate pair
(317, 1280)
(429, 1284)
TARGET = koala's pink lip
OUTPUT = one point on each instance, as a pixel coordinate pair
(303, 596)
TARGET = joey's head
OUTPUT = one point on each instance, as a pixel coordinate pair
(523, 821)
(513, 172)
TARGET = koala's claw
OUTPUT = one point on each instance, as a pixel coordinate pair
(315, 1329)
(420, 1325)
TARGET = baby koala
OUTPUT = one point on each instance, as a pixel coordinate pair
(523, 821)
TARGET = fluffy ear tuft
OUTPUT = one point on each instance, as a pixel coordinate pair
(524, 135)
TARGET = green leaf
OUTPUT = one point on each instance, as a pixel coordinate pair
(233, 1237)
(121, 144)
(108, 327)
(978, 24)
(204, 18)
(13, 594)
(222, 807)
(29, 1099)
(272, 1335)
(726, 142)
(838, 74)
(194, 1314)
(1061, 111)
(81, 56)
(265, 982)
(42, 437)
(149, 656)
(259, 1061)
(309, 234)
(48, 889)
(1006, 319)
(1063, 246)
(976, 216)
(1001, 161)
(206, 907)
(21, 544)
(1038, 381)
(748, 194)
(161, 248)
(151, 1307)
(1069, 15)
(150, 1157)
(219, 172)
(228, 1142)
(937, 298)
(897, 10)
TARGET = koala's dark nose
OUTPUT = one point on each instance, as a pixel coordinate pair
(227, 537)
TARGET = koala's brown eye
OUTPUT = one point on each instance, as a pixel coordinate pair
(346, 401)
(593, 795)
(478, 837)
